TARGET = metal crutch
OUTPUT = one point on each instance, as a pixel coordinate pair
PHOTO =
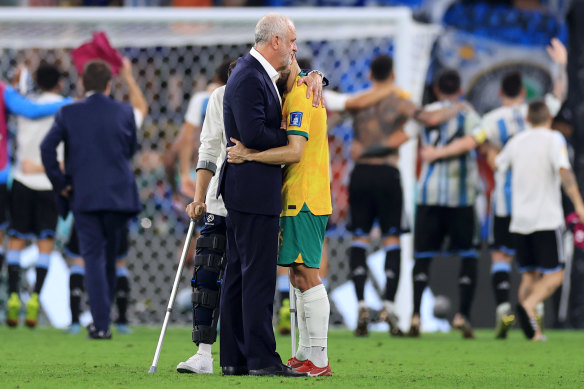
(293, 319)
(183, 256)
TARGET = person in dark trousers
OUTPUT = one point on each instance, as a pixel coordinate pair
(100, 139)
(252, 111)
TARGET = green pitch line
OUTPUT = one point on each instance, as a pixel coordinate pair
(46, 358)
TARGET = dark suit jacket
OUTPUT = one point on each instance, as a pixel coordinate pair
(252, 114)
(100, 139)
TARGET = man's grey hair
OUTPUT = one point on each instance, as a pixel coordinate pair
(269, 26)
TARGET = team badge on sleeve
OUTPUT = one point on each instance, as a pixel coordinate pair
(295, 119)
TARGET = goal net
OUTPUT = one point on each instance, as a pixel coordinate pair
(175, 53)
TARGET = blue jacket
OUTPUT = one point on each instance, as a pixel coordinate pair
(99, 134)
(252, 114)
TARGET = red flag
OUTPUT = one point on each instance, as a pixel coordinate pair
(98, 48)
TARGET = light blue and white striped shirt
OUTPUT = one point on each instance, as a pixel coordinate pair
(449, 182)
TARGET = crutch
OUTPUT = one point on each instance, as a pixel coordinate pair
(293, 319)
(183, 256)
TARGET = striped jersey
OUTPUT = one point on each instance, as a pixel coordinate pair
(449, 182)
(497, 127)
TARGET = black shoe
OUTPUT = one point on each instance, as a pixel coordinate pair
(94, 333)
(280, 370)
(234, 370)
(527, 325)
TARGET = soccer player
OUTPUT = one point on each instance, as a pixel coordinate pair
(375, 191)
(306, 205)
(211, 244)
(539, 159)
(338, 103)
(496, 128)
(188, 139)
(32, 205)
(445, 204)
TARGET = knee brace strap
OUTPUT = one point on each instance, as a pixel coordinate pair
(205, 334)
(205, 298)
(212, 262)
(214, 242)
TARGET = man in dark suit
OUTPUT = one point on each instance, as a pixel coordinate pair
(99, 134)
(253, 113)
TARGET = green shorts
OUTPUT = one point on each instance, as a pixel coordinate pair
(301, 239)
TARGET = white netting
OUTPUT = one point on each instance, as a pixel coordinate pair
(175, 53)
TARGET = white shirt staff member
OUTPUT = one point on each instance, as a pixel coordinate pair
(539, 159)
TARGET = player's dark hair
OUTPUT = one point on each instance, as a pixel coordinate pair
(47, 76)
(222, 70)
(304, 63)
(381, 67)
(538, 113)
(232, 65)
(96, 75)
(512, 84)
(448, 82)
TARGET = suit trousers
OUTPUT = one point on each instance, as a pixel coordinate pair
(247, 337)
(100, 235)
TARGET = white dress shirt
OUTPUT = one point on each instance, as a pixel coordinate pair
(272, 72)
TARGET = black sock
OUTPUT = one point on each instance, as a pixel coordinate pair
(41, 274)
(1, 261)
(122, 297)
(421, 276)
(392, 269)
(501, 281)
(467, 281)
(358, 265)
(13, 278)
(75, 293)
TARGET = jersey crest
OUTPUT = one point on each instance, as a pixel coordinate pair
(295, 119)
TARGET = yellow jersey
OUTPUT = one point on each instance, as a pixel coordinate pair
(308, 181)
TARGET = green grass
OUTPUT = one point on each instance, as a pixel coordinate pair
(45, 357)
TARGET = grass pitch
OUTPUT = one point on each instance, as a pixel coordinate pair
(46, 358)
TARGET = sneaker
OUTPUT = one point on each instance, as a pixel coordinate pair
(314, 371)
(123, 329)
(12, 310)
(362, 322)
(294, 363)
(199, 363)
(74, 329)
(94, 333)
(529, 325)
(391, 318)
(284, 318)
(33, 307)
(460, 323)
(505, 320)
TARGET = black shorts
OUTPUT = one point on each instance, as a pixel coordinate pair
(502, 239)
(33, 213)
(434, 223)
(3, 206)
(375, 193)
(72, 246)
(542, 251)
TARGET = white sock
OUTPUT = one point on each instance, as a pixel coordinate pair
(362, 304)
(205, 348)
(317, 311)
(303, 352)
(389, 306)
